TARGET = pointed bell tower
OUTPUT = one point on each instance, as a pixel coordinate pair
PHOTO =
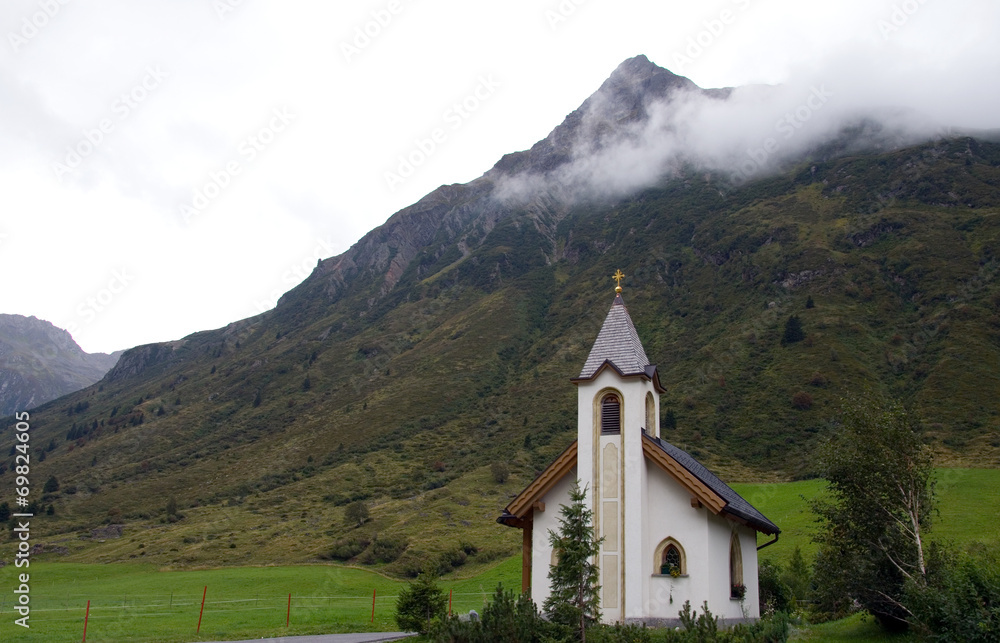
(618, 400)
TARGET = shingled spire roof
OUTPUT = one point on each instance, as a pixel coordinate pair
(617, 344)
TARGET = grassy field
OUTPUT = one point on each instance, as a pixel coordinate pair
(140, 603)
(136, 602)
(859, 628)
(968, 508)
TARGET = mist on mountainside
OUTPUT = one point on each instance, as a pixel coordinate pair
(612, 147)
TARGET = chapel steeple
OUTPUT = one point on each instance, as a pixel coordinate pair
(618, 345)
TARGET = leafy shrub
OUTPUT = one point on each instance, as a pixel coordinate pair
(704, 627)
(349, 548)
(356, 513)
(500, 472)
(507, 618)
(618, 633)
(775, 594)
(961, 598)
(386, 550)
(802, 401)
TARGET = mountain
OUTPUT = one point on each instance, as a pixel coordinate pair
(442, 343)
(39, 362)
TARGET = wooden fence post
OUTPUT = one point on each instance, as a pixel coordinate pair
(203, 595)
(86, 618)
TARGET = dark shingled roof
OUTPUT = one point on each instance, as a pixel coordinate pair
(735, 504)
(617, 343)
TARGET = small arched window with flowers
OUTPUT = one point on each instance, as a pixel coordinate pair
(670, 559)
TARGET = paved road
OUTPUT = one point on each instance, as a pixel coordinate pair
(371, 637)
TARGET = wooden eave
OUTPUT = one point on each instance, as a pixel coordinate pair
(698, 489)
(520, 507)
(650, 374)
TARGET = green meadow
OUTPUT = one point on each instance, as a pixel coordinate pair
(135, 602)
(130, 602)
(968, 510)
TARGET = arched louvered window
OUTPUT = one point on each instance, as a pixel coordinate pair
(650, 414)
(611, 414)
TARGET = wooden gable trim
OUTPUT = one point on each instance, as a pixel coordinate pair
(522, 505)
(698, 489)
(650, 374)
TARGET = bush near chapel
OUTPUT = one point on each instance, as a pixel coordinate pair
(419, 604)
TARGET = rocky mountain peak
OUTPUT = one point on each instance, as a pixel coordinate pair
(40, 362)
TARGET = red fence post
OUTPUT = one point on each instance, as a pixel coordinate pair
(86, 618)
(288, 617)
(449, 601)
(203, 594)
(373, 604)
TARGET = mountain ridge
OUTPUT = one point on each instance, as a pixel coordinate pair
(40, 362)
(400, 370)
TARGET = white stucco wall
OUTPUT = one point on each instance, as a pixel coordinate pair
(541, 549)
(669, 515)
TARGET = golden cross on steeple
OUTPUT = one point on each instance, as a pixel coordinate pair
(618, 276)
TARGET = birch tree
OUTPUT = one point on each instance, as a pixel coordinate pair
(877, 511)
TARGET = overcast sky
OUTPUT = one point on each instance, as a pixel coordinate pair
(173, 166)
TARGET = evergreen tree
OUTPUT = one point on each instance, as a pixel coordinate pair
(793, 331)
(419, 603)
(574, 597)
(51, 485)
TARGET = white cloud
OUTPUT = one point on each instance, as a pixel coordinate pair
(323, 178)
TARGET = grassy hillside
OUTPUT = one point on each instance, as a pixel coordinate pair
(264, 431)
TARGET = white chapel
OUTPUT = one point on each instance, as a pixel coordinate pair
(672, 530)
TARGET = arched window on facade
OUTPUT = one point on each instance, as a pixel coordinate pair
(736, 587)
(650, 414)
(670, 558)
(611, 414)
